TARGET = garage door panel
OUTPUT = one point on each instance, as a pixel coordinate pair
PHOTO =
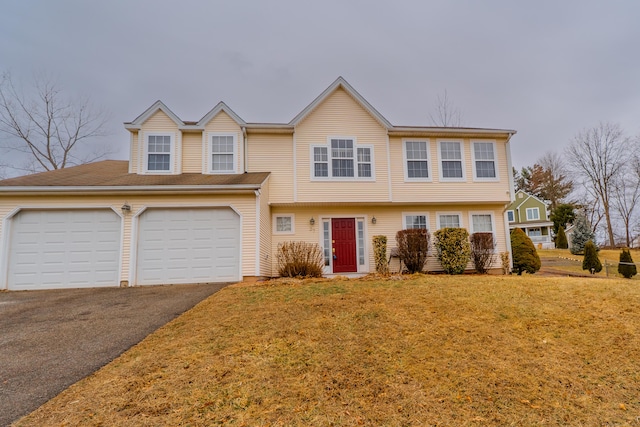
(64, 248)
(188, 246)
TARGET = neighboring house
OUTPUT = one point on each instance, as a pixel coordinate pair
(209, 201)
(531, 215)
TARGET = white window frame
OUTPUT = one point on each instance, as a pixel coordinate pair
(493, 225)
(462, 161)
(330, 176)
(405, 161)
(284, 215)
(513, 214)
(172, 149)
(406, 214)
(533, 210)
(493, 222)
(495, 160)
(210, 136)
(460, 217)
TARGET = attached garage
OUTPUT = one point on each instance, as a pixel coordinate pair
(51, 249)
(180, 246)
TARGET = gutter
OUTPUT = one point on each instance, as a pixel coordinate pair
(245, 155)
(156, 189)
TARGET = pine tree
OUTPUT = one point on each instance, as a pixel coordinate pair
(628, 269)
(582, 233)
(561, 239)
(525, 257)
(591, 262)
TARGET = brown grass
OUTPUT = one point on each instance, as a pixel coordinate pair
(431, 350)
(611, 256)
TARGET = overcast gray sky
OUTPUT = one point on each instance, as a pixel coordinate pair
(545, 68)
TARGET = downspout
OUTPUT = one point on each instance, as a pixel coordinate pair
(511, 199)
(244, 135)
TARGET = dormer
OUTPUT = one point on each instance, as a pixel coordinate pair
(156, 142)
(222, 141)
(162, 143)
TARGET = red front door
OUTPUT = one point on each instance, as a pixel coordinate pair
(343, 234)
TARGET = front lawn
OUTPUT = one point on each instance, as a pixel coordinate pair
(431, 350)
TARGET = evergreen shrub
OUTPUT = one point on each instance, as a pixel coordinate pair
(628, 269)
(454, 251)
(380, 254)
(525, 256)
(561, 239)
(591, 262)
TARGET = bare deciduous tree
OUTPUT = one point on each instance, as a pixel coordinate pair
(626, 189)
(445, 114)
(46, 129)
(598, 155)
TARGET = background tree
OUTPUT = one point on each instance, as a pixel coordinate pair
(555, 183)
(525, 256)
(562, 215)
(626, 192)
(547, 179)
(626, 267)
(591, 262)
(46, 129)
(445, 114)
(598, 155)
(582, 233)
(561, 239)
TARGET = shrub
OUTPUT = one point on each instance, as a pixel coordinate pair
(300, 259)
(591, 262)
(413, 247)
(561, 239)
(506, 265)
(452, 245)
(482, 246)
(626, 267)
(582, 233)
(525, 257)
(380, 254)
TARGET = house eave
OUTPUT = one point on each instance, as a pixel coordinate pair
(142, 189)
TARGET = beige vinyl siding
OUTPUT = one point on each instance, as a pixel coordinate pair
(447, 192)
(192, 152)
(389, 220)
(273, 153)
(340, 115)
(245, 205)
(223, 123)
(134, 159)
(265, 232)
(161, 123)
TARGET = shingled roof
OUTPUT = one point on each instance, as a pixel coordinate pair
(115, 173)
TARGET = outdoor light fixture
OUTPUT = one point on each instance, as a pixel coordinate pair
(373, 220)
(126, 208)
(312, 221)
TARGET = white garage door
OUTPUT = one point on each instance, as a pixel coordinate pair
(188, 246)
(52, 249)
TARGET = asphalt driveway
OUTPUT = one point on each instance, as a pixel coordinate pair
(51, 339)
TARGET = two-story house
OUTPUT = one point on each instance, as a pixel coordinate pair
(531, 215)
(210, 200)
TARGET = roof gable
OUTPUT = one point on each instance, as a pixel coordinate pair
(337, 84)
(216, 110)
(518, 202)
(158, 105)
